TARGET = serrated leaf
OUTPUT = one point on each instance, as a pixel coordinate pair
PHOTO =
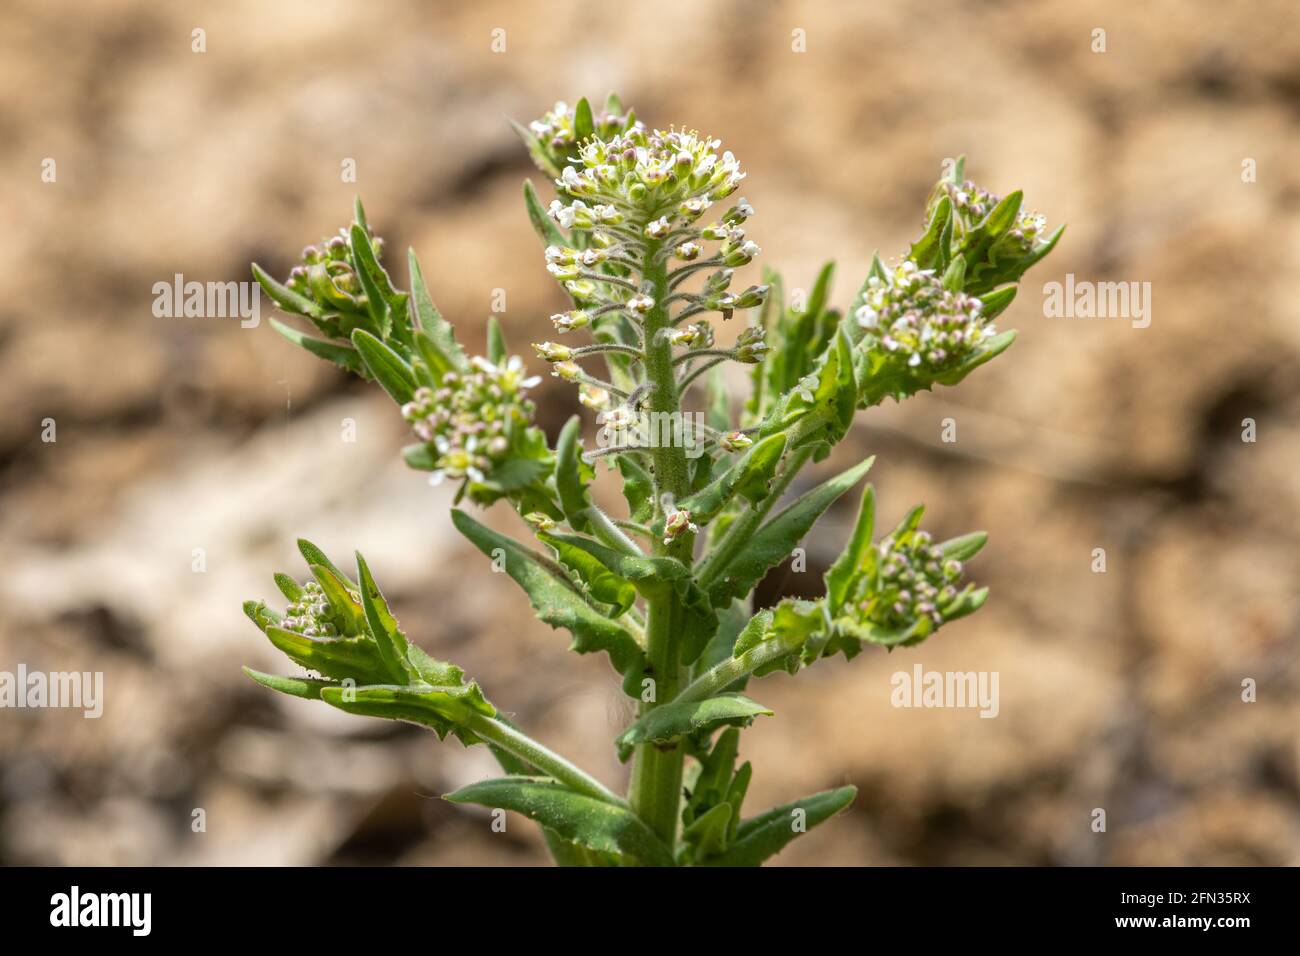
(669, 721)
(556, 602)
(775, 540)
(595, 824)
(389, 369)
(765, 835)
(600, 582)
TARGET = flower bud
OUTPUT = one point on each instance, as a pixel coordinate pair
(540, 521)
(566, 370)
(552, 352)
(735, 441)
(641, 303)
(751, 297)
(743, 254)
(568, 321)
(678, 524)
(658, 228)
(593, 397)
(750, 347)
(688, 251)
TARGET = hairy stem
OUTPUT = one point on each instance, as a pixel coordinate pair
(545, 760)
(723, 675)
(655, 789)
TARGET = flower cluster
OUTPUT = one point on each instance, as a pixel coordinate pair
(326, 275)
(557, 129)
(311, 614)
(972, 201)
(469, 419)
(679, 171)
(912, 315)
(913, 581)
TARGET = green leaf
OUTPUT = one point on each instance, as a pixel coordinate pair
(965, 547)
(285, 297)
(996, 302)
(340, 658)
(288, 587)
(348, 615)
(927, 251)
(749, 476)
(668, 722)
(991, 350)
(765, 835)
(308, 688)
(601, 583)
(594, 824)
(572, 475)
(583, 124)
(392, 643)
(496, 341)
(708, 833)
(368, 269)
(775, 540)
(557, 602)
(314, 555)
(717, 402)
(543, 224)
(441, 337)
(342, 355)
(638, 488)
(841, 573)
(443, 709)
(388, 368)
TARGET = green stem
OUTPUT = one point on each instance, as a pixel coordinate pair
(610, 533)
(547, 761)
(655, 789)
(723, 675)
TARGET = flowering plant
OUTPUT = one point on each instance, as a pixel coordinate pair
(666, 589)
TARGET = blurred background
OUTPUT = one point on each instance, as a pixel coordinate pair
(1119, 690)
